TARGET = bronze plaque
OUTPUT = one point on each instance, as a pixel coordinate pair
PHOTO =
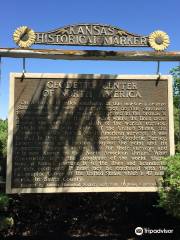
(88, 133)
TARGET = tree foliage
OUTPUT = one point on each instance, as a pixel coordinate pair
(5, 221)
(3, 147)
(169, 191)
(176, 77)
(3, 137)
(176, 95)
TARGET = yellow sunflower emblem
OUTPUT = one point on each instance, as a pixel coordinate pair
(159, 40)
(24, 37)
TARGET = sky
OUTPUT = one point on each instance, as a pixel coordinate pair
(136, 16)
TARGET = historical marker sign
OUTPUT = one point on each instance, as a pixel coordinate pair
(88, 133)
(91, 35)
(102, 35)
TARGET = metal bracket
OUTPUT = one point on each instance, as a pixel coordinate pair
(158, 73)
(24, 69)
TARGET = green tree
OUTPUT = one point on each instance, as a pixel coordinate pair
(169, 190)
(3, 137)
(5, 222)
(3, 147)
(176, 95)
(176, 85)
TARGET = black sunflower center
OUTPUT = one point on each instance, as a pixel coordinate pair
(159, 40)
(25, 36)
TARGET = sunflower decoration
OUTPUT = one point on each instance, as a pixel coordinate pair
(159, 40)
(24, 37)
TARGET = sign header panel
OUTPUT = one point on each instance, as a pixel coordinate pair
(90, 35)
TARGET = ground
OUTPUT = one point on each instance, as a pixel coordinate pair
(96, 216)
